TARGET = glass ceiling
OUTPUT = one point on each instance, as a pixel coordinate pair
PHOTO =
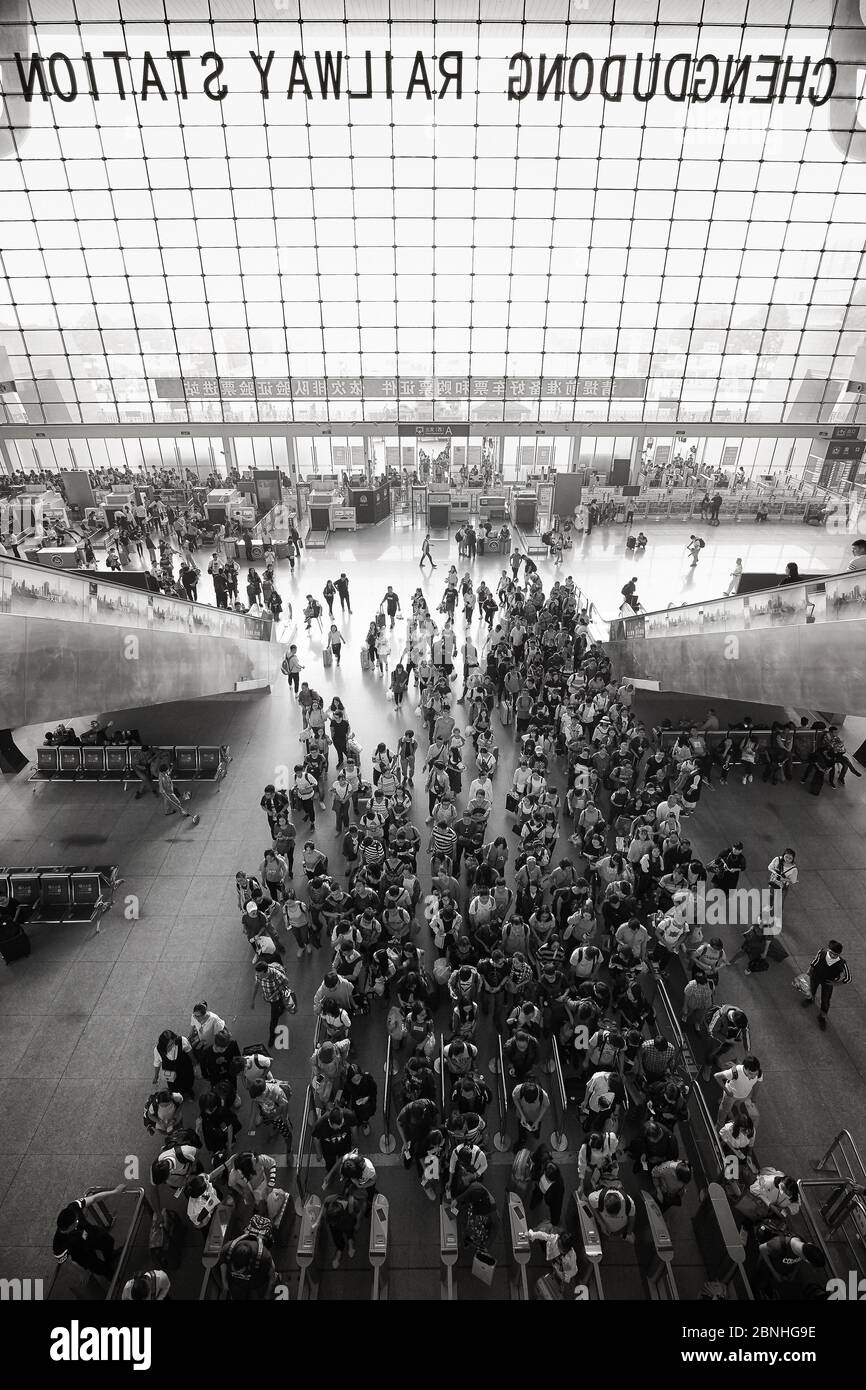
(195, 249)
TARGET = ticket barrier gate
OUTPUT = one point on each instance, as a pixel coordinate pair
(520, 1247)
(660, 1275)
(308, 1241)
(378, 1248)
(448, 1252)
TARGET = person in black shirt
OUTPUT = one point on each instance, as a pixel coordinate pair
(828, 968)
(415, 1122)
(221, 1064)
(780, 1259)
(78, 1238)
(246, 1269)
(361, 1093)
(342, 587)
(335, 1139)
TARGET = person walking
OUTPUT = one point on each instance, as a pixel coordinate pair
(694, 548)
(391, 603)
(171, 800)
(342, 587)
(329, 593)
(425, 553)
(276, 991)
(335, 641)
(828, 969)
(734, 581)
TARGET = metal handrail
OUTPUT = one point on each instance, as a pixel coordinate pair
(558, 1137)
(142, 1206)
(387, 1143)
(803, 586)
(815, 1232)
(443, 1108)
(84, 580)
(500, 1139)
(695, 1090)
(302, 1167)
(837, 1145)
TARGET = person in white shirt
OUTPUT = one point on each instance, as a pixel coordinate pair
(858, 555)
(204, 1025)
(671, 807)
(734, 581)
(481, 786)
(559, 1253)
(614, 1212)
(737, 1083)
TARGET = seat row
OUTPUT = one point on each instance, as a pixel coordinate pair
(58, 893)
(111, 763)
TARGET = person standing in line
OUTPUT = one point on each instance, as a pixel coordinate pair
(734, 581)
(715, 508)
(828, 969)
(737, 1083)
(425, 553)
(292, 668)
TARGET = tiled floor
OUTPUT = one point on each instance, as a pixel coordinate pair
(78, 1020)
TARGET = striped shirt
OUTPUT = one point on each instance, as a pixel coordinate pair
(443, 840)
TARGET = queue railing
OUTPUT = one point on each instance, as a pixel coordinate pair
(387, 1141)
(500, 1138)
(558, 1098)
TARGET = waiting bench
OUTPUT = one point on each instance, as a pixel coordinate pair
(111, 763)
(59, 893)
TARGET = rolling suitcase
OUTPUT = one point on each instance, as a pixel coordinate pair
(505, 714)
(327, 657)
(166, 1239)
(365, 659)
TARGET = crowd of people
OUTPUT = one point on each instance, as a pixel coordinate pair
(553, 933)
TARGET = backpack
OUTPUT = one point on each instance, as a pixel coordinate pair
(521, 1169)
(284, 665)
(701, 544)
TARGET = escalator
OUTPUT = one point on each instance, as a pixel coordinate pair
(72, 644)
(800, 645)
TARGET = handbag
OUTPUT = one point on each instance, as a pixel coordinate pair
(511, 801)
(803, 984)
(483, 1267)
(290, 1000)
